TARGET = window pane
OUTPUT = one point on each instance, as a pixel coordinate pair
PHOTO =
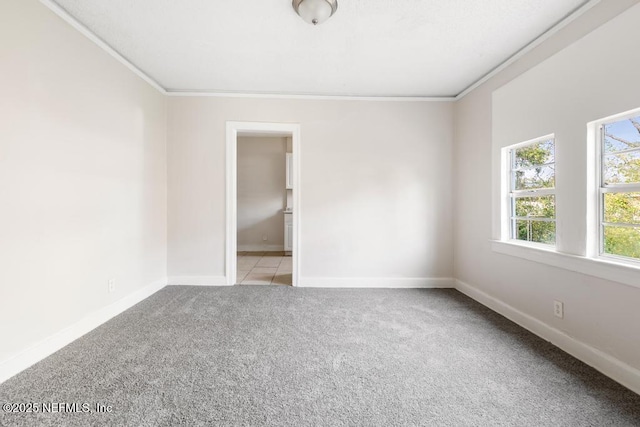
(622, 207)
(536, 231)
(624, 241)
(536, 207)
(622, 168)
(535, 154)
(538, 177)
(622, 135)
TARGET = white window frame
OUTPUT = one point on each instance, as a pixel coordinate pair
(511, 194)
(625, 271)
(603, 189)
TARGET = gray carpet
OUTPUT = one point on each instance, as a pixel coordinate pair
(268, 355)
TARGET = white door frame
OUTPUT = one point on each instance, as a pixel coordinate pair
(258, 128)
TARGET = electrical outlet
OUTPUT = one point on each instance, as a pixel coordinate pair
(264, 237)
(558, 309)
(111, 285)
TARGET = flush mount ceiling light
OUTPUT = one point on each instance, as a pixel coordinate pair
(315, 11)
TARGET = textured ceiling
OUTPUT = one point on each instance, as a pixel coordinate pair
(368, 48)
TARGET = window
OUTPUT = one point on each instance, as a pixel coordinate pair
(532, 199)
(619, 197)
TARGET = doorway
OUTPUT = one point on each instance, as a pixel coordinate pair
(262, 252)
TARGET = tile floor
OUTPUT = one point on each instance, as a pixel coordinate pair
(264, 268)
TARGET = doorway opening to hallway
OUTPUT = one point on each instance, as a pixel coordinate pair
(263, 212)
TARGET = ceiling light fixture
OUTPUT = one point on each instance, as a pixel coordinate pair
(315, 11)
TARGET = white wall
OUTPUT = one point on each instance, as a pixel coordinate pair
(375, 186)
(261, 193)
(587, 80)
(82, 178)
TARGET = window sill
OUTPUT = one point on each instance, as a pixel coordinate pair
(602, 268)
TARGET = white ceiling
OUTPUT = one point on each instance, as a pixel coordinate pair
(368, 48)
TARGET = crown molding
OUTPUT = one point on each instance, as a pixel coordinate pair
(183, 93)
(62, 13)
(572, 16)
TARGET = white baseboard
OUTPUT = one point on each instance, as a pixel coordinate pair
(55, 342)
(260, 248)
(610, 366)
(198, 281)
(376, 282)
